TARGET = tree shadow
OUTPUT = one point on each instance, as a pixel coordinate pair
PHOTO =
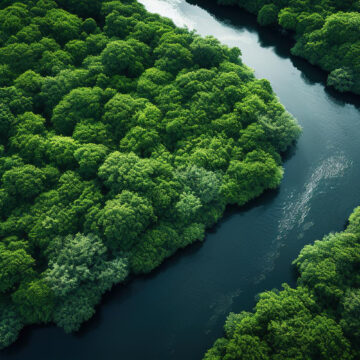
(281, 41)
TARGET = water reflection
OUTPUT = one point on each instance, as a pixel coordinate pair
(178, 311)
(281, 43)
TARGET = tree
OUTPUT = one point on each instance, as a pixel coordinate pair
(202, 183)
(96, 43)
(78, 51)
(150, 82)
(247, 179)
(118, 25)
(129, 172)
(61, 25)
(350, 314)
(87, 131)
(79, 104)
(15, 266)
(287, 19)
(187, 206)
(24, 182)
(141, 141)
(153, 248)
(35, 301)
(172, 57)
(6, 75)
(42, 6)
(119, 57)
(76, 308)
(268, 15)
(90, 157)
(118, 113)
(341, 79)
(52, 62)
(207, 52)
(124, 218)
(10, 324)
(81, 259)
(13, 18)
(7, 119)
(29, 82)
(60, 150)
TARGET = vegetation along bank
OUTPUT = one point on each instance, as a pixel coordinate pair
(326, 33)
(319, 319)
(122, 138)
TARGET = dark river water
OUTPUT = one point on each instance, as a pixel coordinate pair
(179, 310)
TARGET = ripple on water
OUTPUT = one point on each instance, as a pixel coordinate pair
(297, 206)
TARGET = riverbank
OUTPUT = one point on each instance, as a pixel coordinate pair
(326, 34)
(178, 312)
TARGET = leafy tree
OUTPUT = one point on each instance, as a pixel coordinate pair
(13, 18)
(61, 25)
(124, 218)
(7, 119)
(10, 324)
(34, 301)
(188, 205)
(24, 182)
(79, 104)
(341, 79)
(203, 183)
(118, 113)
(119, 57)
(52, 62)
(76, 308)
(88, 131)
(90, 157)
(258, 166)
(81, 259)
(123, 135)
(172, 57)
(350, 314)
(139, 140)
(61, 150)
(5, 75)
(287, 19)
(268, 15)
(150, 82)
(42, 6)
(78, 51)
(16, 265)
(207, 52)
(29, 82)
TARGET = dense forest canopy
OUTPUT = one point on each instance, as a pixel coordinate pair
(319, 319)
(327, 33)
(122, 138)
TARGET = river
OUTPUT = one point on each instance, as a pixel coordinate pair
(177, 312)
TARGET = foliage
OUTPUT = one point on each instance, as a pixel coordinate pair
(122, 138)
(327, 33)
(319, 319)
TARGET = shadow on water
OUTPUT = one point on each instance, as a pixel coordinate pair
(281, 41)
(122, 292)
(178, 310)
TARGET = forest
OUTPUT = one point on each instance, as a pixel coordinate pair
(122, 138)
(319, 319)
(326, 33)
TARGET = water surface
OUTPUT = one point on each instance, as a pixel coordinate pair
(177, 312)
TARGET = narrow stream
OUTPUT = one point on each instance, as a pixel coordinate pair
(177, 312)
